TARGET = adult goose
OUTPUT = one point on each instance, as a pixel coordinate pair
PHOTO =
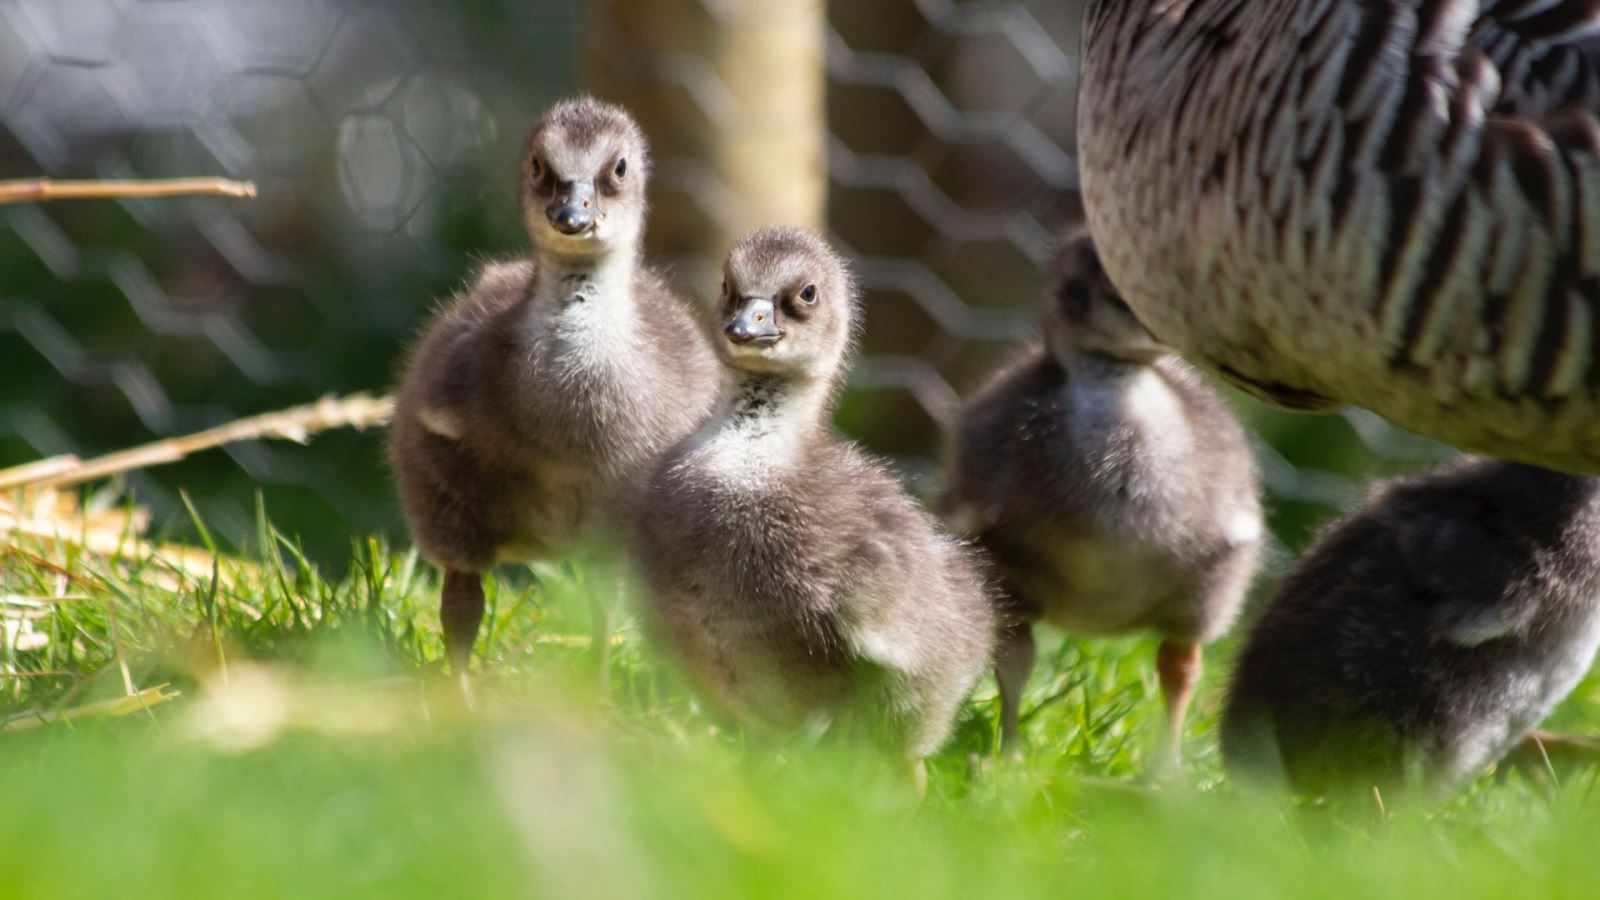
(1388, 203)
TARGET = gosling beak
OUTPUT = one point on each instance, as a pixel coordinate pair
(754, 322)
(573, 209)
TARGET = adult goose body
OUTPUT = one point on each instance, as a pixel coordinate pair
(1390, 203)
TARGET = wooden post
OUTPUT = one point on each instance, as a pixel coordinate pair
(731, 94)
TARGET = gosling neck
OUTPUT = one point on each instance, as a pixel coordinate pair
(767, 405)
(1083, 365)
(568, 281)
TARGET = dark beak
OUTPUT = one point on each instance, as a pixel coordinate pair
(572, 211)
(754, 322)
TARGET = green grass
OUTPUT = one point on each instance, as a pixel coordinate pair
(315, 751)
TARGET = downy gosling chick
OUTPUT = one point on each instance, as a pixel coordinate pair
(1424, 636)
(792, 574)
(535, 402)
(1114, 490)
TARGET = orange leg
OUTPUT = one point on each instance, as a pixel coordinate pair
(1178, 664)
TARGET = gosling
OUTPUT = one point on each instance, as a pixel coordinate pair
(791, 573)
(1113, 489)
(533, 404)
(1424, 636)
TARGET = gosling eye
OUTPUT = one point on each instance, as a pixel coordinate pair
(808, 294)
(621, 168)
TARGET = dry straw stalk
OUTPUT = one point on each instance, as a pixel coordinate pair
(296, 424)
(38, 190)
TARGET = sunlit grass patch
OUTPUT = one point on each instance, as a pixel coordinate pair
(313, 749)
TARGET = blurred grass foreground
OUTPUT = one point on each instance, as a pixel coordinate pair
(199, 699)
(294, 739)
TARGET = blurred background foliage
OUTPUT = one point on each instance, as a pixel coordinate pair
(384, 138)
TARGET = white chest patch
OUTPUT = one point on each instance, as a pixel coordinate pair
(743, 453)
(589, 319)
(1141, 400)
(1107, 411)
(1153, 407)
(758, 432)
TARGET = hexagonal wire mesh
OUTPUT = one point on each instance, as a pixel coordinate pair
(384, 139)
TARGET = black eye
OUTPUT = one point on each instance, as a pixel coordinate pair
(621, 168)
(535, 168)
(808, 293)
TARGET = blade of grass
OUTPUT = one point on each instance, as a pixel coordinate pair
(138, 701)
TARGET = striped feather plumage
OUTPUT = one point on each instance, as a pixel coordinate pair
(1391, 203)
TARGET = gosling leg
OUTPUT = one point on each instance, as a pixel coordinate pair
(1013, 663)
(1178, 664)
(461, 613)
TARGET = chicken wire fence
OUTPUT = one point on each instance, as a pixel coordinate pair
(384, 138)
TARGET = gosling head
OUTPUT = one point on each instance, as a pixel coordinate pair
(787, 306)
(1084, 316)
(583, 177)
